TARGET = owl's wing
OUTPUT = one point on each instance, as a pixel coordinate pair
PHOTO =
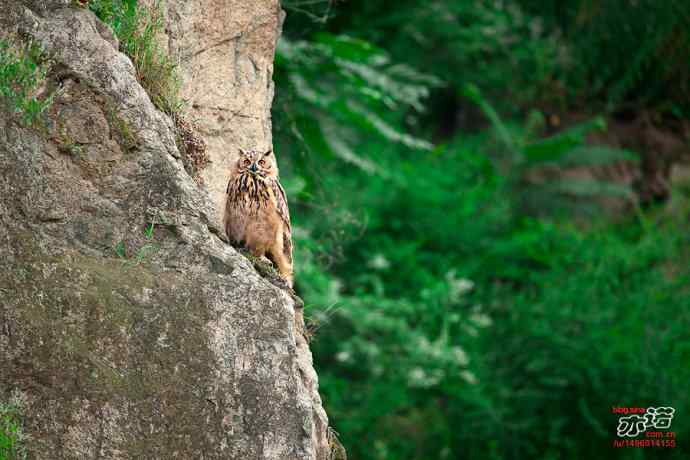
(284, 213)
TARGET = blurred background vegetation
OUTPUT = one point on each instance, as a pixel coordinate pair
(490, 201)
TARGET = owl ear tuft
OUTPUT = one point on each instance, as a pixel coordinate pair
(243, 153)
(270, 151)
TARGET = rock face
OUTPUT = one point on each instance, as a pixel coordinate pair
(225, 51)
(130, 327)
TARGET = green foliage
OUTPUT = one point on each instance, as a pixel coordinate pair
(121, 250)
(492, 44)
(527, 358)
(585, 332)
(626, 52)
(609, 54)
(12, 437)
(141, 254)
(318, 11)
(120, 128)
(460, 306)
(343, 90)
(138, 29)
(23, 69)
(522, 151)
(68, 145)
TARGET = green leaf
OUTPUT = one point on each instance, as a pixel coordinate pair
(551, 149)
(473, 93)
(596, 155)
(590, 188)
(352, 49)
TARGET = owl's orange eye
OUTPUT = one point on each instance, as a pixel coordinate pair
(262, 163)
(247, 162)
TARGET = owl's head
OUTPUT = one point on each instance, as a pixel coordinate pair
(261, 164)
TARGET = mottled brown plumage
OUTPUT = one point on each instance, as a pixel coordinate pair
(256, 210)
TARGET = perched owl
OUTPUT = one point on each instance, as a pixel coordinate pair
(256, 210)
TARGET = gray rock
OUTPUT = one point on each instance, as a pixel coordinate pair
(126, 345)
(225, 52)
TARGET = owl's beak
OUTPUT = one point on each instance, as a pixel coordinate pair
(253, 168)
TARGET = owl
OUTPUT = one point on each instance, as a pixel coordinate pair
(256, 210)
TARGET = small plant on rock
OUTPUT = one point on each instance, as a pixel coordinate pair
(138, 28)
(12, 437)
(23, 70)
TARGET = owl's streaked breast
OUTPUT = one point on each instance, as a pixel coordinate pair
(249, 192)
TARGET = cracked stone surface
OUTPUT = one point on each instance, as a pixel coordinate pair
(225, 49)
(126, 345)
